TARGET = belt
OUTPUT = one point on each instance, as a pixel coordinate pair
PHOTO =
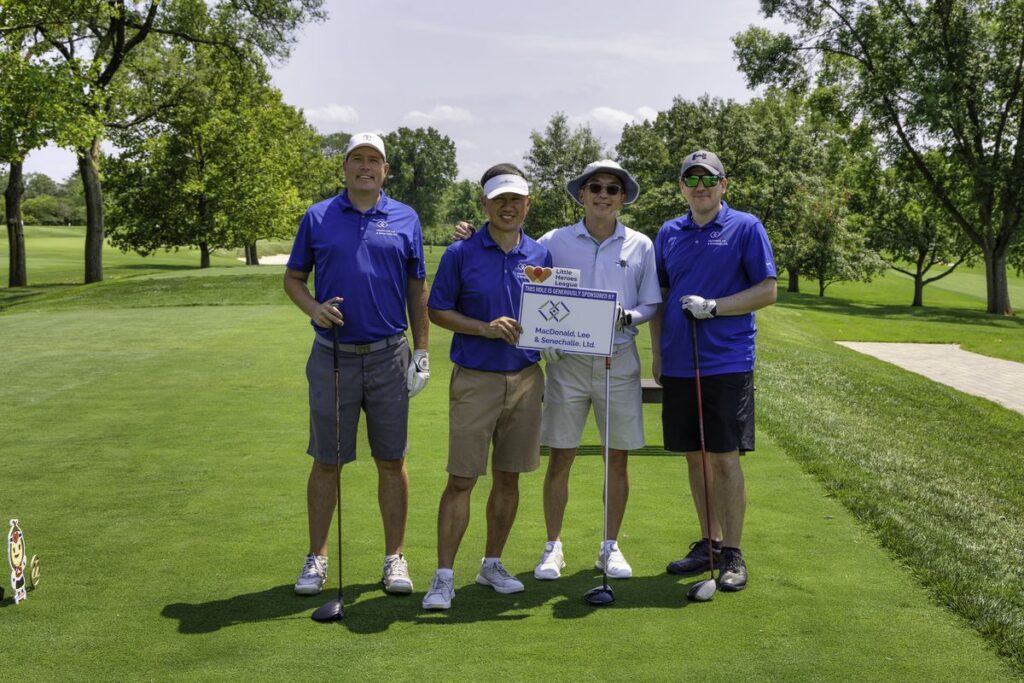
(363, 349)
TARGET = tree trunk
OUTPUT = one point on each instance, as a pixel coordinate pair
(821, 287)
(996, 282)
(794, 280)
(251, 257)
(17, 274)
(918, 290)
(88, 168)
(204, 255)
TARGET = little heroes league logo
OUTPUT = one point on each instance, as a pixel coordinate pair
(537, 273)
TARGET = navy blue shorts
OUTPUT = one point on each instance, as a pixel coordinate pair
(728, 413)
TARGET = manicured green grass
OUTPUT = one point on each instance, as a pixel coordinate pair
(153, 447)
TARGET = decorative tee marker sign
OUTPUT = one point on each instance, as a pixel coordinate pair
(568, 319)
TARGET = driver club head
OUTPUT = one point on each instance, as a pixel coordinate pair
(703, 591)
(333, 610)
(600, 596)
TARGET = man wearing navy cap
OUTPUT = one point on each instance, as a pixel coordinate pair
(716, 267)
(496, 389)
(366, 252)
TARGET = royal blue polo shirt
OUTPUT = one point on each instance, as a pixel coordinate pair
(729, 254)
(479, 280)
(365, 258)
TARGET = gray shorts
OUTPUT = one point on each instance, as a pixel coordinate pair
(374, 383)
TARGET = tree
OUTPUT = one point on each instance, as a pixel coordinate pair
(461, 203)
(913, 232)
(96, 40)
(422, 163)
(34, 108)
(942, 74)
(222, 168)
(835, 243)
(556, 156)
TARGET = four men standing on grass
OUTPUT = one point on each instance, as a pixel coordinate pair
(713, 265)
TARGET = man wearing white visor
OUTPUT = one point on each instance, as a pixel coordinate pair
(609, 256)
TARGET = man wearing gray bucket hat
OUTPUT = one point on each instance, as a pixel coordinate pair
(716, 268)
(608, 256)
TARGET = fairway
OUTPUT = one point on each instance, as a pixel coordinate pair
(152, 445)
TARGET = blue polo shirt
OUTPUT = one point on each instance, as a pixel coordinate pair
(365, 258)
(729, 254)
(479, 280)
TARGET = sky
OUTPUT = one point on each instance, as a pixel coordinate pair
(487, 75)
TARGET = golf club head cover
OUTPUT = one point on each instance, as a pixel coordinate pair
(697, 307)
(419, 372)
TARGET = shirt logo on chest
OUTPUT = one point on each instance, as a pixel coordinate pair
(715, 239)
(381, 227)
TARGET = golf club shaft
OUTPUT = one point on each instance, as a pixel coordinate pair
(337, 444)
(703, 451)
(607, 432)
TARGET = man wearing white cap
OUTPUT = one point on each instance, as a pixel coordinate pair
(608, 256)
(496, 389)
(366, 252)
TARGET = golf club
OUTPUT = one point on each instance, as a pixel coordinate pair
(603, 595)
(702, 591)
(335, 609)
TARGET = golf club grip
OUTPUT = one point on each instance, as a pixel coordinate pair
(703, 451)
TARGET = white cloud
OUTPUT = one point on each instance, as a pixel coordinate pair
(611, 120)
(332, 115)
(442, 113)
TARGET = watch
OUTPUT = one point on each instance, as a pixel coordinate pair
(627, 319)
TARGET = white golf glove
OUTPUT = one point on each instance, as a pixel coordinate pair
(419, 372)
(698, 307)
(551, 355)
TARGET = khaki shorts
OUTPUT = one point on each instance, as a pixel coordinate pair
(499, 407)
(576, 382)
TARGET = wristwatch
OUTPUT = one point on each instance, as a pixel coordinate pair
(627, 319)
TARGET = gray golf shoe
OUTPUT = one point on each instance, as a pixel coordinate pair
(733, 574)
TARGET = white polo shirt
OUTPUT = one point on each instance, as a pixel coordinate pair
(623, 263)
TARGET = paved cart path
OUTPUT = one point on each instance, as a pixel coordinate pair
(997, 380)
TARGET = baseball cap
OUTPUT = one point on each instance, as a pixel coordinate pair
(704, 159)
(365, 140)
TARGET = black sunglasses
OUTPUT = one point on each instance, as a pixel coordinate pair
(612, 190)
(709, 180)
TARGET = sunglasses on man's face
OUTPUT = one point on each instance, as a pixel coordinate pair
(692, 180)
(612, 190)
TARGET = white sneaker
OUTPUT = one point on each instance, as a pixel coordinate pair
(313, 575)
(618, 568)
(396, 579)
(551, 563)
(441, 593)
(497, 578)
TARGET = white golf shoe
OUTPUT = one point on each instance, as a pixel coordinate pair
(495, 576)
(441, 593)
(618, 568)
(396, 579)
(313, 575)
(551, 563)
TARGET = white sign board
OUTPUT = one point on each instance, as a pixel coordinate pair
(568, 319)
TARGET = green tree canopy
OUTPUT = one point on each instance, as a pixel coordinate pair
(556, 156)
(934, 75)
(423, 166)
